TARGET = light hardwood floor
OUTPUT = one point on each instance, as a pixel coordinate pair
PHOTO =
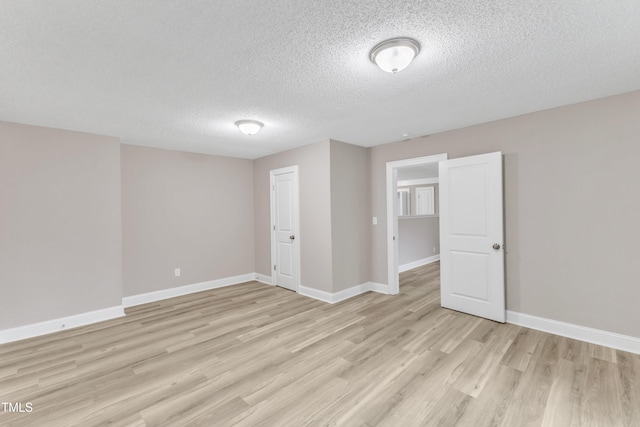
(256, 355)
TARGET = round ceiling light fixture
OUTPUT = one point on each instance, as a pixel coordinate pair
(394, 55)
(249, 127)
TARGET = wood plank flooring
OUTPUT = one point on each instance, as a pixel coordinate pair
(256, 355)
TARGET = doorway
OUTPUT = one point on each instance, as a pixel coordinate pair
(418, 216)
(393, 208)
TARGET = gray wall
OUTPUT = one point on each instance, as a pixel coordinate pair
(187, 211)
(417, 237)
(571, 207)
(571, 212)
(350, 215)
(315, 212)
(60, 242)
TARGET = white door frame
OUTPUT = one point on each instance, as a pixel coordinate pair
(296, 213)
(392, 214)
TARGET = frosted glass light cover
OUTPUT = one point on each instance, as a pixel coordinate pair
(249, 127)
(395, 55)
(395, 59)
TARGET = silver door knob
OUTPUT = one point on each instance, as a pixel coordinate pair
(292, 237)
(496, 246)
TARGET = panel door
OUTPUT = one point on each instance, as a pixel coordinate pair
(285, 230)
(471, 232)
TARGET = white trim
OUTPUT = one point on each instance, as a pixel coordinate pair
(60, 324)
(408, 182)
(185, 290)
(296, 214)
(351, 292)
(392, 228)
(392, 217)
(380, 288)
(582, 333)
(316, 294)
(418, 263)
(418, 217)
(263, 278)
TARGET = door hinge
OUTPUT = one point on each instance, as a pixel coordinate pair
(274, 268)
(394, 237)
(274, 227)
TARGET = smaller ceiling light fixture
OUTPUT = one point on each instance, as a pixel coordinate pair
(249, 127)
(394, 55)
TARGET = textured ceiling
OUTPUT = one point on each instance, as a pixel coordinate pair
(178, 74)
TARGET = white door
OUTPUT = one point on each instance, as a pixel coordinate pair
(285, 236)
(471, 233)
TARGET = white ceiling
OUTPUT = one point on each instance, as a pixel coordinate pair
(177, 74)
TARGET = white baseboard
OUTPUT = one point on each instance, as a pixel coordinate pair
(185, 290)
(418, 263)
(335, 297)
(263, 278)
(351, 292)
(380, 288)
(582, 333)
(316, 294)
(60, 324)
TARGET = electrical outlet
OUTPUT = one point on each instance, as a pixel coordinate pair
(434, 249)
(177, 272)
(375, 220)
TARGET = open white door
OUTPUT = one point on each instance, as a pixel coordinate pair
(471, 236)
(285, 236)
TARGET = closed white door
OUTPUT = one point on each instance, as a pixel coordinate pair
(285, 236)
(471, 233)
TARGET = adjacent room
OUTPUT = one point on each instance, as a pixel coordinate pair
(340, 213)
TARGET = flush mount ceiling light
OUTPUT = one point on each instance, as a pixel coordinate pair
(249, 127)
(394, 55)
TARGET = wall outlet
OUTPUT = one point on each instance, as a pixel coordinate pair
(177, 272)
(434, 249)
(375, 220)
